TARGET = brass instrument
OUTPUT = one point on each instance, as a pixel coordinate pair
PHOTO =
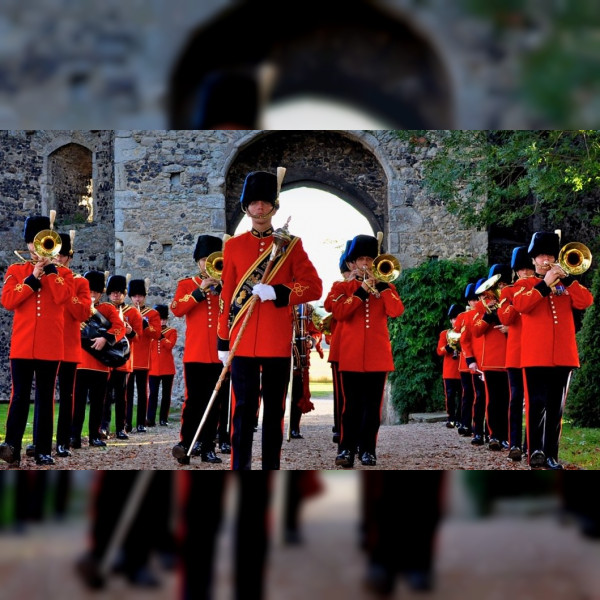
(322, 320)
(386, 267)
(47, 244)
(214, 265)
(490, 292)
(453, 340)
(574, 258)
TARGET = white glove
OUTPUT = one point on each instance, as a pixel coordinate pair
(264, 291)
(223, 356)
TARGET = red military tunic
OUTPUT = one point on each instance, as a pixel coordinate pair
(548, 334)
(269, 330)
(117, 328)
(449, 365)
(470, 345)
(510, 316)
(38, 321)
(336, 326)
(492, 340)
(365, 341)
(76, 310)
(161, 353)
(201, 320)
(141, 343)
(131, 315)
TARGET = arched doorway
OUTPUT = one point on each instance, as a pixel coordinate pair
(352, 52)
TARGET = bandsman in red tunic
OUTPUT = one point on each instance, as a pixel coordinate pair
(77, 310)
(365, 353)
(549, 347)
(522, 268)
(493, 336)
(346, 270)
(138, 379)
(91, 378)
(261, 363)
(449, 349)
(162, 369)
(116, 288)
(35, 292)
(197, 299)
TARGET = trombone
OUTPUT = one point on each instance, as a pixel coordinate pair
(214, 265)
(47, 244)
(385, 268)
(574, 258)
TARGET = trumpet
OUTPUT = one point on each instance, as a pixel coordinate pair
(47, 244)
(574, 258)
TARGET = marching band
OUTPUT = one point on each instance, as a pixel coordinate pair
(251, 322)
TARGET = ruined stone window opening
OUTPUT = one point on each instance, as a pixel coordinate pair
(175, 180)
(71, 185)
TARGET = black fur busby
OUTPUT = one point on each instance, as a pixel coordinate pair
(116, 283)
(343, 265)
(363, 245)
(544, 242)
(206, 245)
(520, 259)
(33, 225)
(137, 286)
(162, 310)
(227, 100)
(454, 311)
(470, 291)
(97, 281)
(259, 185)
(504, 271)
(65, 247)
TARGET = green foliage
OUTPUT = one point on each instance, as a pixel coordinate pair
(427, 292)
(582, 404)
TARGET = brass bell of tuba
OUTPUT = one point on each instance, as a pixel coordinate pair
(214, 265)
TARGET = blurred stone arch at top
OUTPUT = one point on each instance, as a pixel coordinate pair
(355, 52)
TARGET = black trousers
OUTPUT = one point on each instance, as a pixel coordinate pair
(138, 380)
(467, 400)
(545, 391)
(66, 387)
(297, 391)
(497, 400)
(116, 393)
(253, 378)
(155, 382)
(338, 399)
(88, 384)
(22, 373)
(479, 406)
(200, 382)
(452, 395)
(202, 510)
(515, 410)
(361, 414)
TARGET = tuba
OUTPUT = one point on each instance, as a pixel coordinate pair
(214, 265)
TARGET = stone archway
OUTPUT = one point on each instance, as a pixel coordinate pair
(353, 52)
(334, 162)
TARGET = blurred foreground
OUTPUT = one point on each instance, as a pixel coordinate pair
(502, 545)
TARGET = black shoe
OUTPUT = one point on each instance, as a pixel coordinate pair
(380, 580)
(88, 568)
(419, 581)
(225, 448)
(196, 450)
(505, 445)
(62, 451)
(44, 459)
(7, 453)
(537, 460)
(143, 578)
(141, 429)
(463, 431)
(477, 440)
(30, 450)
(553, 464)
(345, 459)
(75, 443)
(210, 457)
(296, 435)
(494, 444)
(121, 435)
(103, 434)
(515, 453)
(97, 443)
(179, 452)
(164, 423)
(450, 424)
(368, 460)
